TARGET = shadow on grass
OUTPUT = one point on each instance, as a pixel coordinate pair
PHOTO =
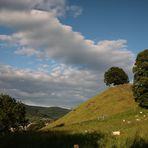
(49, 140)
(139, 143)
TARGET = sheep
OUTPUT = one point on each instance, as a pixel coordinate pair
(116, 133)
(128, 122)
(141, 112)
(137, 119)
(123, 120)
(86, 131)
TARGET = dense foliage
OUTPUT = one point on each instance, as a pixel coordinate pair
(12, 113)
(115, 76)
(140, 70)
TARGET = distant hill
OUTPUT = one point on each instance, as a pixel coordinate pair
(112, 110)
(40, 113)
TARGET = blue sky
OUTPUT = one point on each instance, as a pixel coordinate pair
(55, 52)
(113, 19)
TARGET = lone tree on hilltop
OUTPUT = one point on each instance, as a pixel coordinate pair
(12, 113)
(115, 76)
(140, 86)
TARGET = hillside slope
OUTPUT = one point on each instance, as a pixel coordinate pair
(115, 102)
(113, 109)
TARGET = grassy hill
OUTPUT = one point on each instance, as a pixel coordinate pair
(112, 110)
(35, 113)
(90, 125)
(113, 101)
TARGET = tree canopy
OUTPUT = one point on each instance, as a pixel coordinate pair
(140, 86)
(115, 76)
(12, 113)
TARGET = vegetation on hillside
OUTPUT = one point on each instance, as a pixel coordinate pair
(35, 113)
(40, 116)
(112, 110)
(114, 100)
(140, 86)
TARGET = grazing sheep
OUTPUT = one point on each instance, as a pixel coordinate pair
(86, 131)
(137, 119)
(128, 122)
(123, 120)
(140, 112)
(116, 133)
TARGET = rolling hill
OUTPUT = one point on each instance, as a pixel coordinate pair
(112, 110)
(35, 113)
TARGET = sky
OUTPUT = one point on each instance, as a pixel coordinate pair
(55, 52)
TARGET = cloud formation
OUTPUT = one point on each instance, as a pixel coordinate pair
(39, 33)
(56, 7)
(64, 86)
(45, 35)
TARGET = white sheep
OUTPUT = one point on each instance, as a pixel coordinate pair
(128, 122)
(116, 133)
(137, 119)
(86, 131)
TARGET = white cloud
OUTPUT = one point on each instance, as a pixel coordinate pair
(74, 10)
(59, 42)
(64, 86)
(56, 7)
(27, 51)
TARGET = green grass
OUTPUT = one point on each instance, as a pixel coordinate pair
(91, 125)
(105, 113)
(115, 102)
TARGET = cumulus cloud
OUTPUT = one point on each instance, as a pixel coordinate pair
(56, 7)
(64, 86)
(57, 41)
(27, 51)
